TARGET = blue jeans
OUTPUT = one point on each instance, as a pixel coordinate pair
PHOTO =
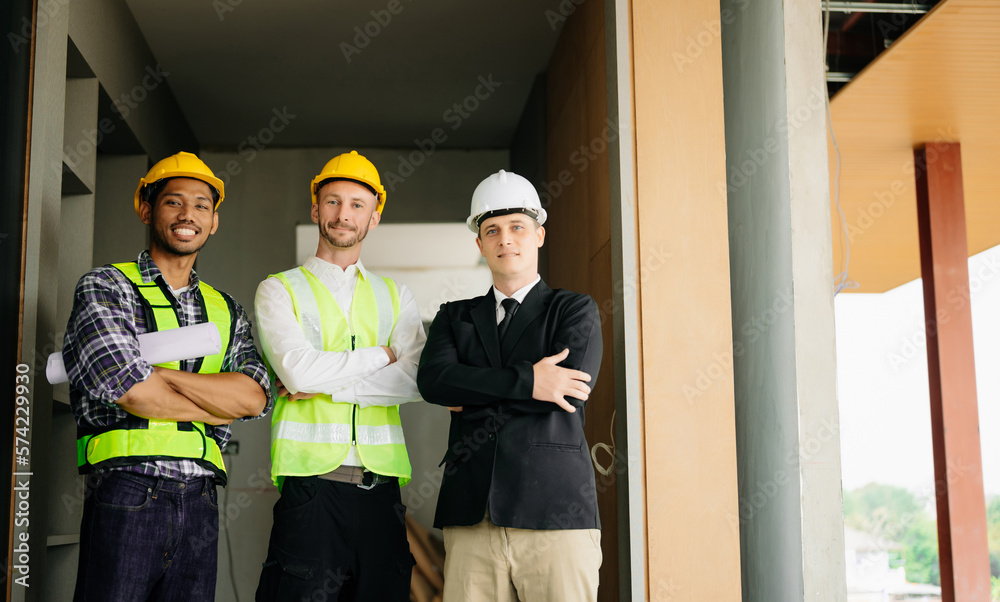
(148, 538)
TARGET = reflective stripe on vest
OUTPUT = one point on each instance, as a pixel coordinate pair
(140, 440)
(313, 436)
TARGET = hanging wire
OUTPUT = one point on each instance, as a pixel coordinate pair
(841, 281)
(608, 448)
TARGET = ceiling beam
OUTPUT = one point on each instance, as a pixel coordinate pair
(877, 7)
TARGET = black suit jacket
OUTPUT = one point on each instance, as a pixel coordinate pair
(528, 460)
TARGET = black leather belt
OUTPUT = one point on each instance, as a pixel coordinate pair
(356, 475)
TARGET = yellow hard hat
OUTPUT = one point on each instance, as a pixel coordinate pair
(351, 166)
(181, 165)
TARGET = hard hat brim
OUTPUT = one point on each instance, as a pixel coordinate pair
(375, 188)
(475, 221)
(212, 181)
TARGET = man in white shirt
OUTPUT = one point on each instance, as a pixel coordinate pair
(344, 345)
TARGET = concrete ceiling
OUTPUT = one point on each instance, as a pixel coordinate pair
(940, 82)
(352, 73)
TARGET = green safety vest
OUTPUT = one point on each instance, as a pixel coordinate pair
(313, 436)
(137, 440)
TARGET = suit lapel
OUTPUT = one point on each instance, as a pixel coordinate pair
(534, 305)
(484, 316)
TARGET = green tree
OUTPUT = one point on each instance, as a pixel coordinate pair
(920, 551)
(993, 533)
(895, 514)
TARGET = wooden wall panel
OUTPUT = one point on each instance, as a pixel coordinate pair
(578, 230)
(693, 550)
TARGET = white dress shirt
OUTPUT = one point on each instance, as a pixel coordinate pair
(362, 376)
(518, 295)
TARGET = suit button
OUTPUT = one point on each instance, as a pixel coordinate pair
(493, 436)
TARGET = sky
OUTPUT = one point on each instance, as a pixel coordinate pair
(882, 382)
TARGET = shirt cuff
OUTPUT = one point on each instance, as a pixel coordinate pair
(133, 373)
(379, 359)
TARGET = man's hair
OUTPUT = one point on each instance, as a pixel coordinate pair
(498, 213)
(152, 191)
(328, 180)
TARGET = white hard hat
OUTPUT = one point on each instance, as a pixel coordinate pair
(501, 193)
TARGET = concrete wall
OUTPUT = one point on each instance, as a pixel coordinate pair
(113, 46)
(118, 233)
(790, 514)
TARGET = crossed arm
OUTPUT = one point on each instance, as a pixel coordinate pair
(368, 376)
(103, 358)
(561, 380)
(188, 396)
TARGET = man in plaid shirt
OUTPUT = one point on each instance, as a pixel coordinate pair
(150, 437)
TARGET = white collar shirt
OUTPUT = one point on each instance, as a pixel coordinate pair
(518, 295)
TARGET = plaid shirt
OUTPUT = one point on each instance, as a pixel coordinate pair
(101, 353)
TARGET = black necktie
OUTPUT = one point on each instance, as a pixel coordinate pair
(509, 308)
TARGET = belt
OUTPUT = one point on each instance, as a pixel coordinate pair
(364, 479)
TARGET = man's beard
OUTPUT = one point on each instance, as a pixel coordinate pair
(359, 235)
(156, 239)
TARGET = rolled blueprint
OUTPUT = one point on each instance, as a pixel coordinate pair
(172, 345)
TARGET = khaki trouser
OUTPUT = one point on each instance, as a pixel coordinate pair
(500, 564)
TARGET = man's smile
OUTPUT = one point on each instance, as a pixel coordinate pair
(184, 231)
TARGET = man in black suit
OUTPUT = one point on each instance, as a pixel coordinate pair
(517, 504)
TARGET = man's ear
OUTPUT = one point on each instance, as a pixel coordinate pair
(314, 213)
(479, 243)
(374, 220)
(215, 223)
(540, 232)
(145, 212)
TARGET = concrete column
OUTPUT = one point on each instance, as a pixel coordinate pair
(951, 368)
(790, 516)
(41, 274)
